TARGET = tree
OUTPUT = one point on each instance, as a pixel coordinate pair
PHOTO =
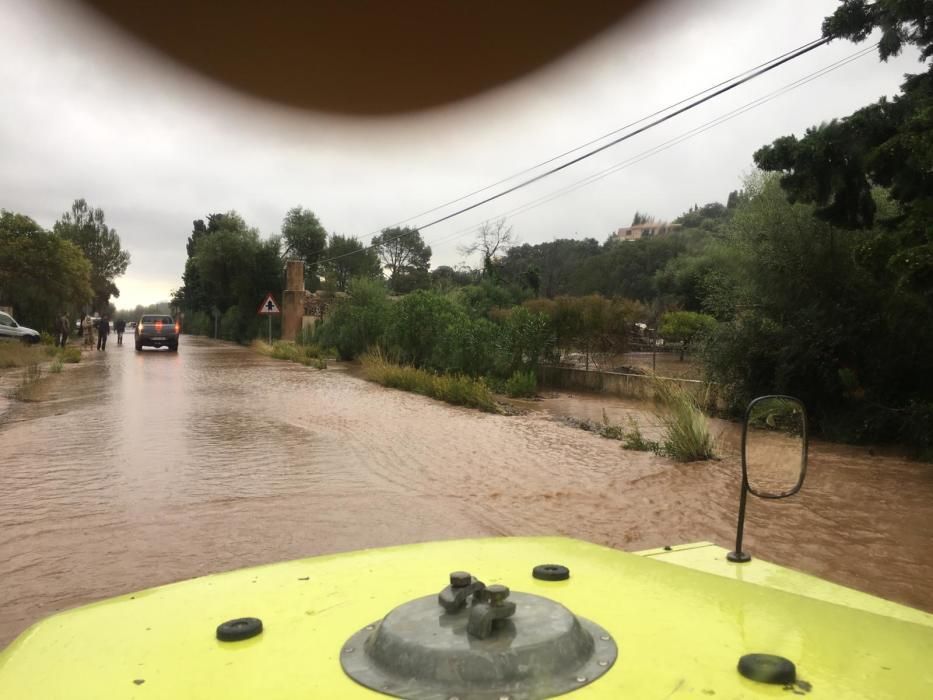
(86, 228)
(806, 312)
(685, 327)
(407, 256)
(231, 267)
(709, 217)
(446, 278)
(640, 219)
(837, 165)
(596, 326)
(41, 274)
(559, 266)
(345, 258)
(304, 238)
(492, 238)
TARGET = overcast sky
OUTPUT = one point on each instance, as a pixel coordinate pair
(86, 113)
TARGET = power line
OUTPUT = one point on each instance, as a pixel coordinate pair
(595, 177)
(525, 183)
(592, 141)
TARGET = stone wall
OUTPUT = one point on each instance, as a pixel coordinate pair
(635, 386)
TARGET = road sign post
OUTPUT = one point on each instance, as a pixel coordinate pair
(268, 308)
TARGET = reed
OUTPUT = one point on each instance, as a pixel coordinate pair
(686, 430)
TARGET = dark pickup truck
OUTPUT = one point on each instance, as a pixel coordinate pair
(158, 332)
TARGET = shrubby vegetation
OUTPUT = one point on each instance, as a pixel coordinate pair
(521, 384)
(309, 355)
(452, 388)
(14, 354)
(464, 332)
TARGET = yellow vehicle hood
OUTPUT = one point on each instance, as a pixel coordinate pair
(680, 626)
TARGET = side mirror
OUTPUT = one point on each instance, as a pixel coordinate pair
(774, 455)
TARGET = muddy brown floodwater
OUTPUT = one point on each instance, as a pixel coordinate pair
(137, 469)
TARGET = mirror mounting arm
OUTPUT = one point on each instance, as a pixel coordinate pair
(737, 556)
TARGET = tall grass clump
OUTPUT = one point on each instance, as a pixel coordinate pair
(14, 353)
(522, 384)
(57, 366)
(308, 355)
(452, 388)
(70, 354)
(26, 389)
(686, 431)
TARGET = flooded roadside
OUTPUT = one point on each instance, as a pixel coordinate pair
(143, 468)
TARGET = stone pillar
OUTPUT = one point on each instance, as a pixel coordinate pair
(293, 299)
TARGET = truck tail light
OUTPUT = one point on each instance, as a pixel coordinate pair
(177, 327)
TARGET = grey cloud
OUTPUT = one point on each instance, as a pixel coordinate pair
(86, 114)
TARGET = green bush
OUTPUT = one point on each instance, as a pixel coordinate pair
(198, 323)
(525, 338)
(522, 384)
(231, 324)
(480, 299)
(467, 346)
(358, 321)
(686, 327)
(46, 338)
(418, 323)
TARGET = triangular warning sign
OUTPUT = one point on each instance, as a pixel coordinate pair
(269, 306)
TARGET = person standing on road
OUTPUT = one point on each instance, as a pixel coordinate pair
(103, 330)
(119, 326)
(88, 326)
(64, 328)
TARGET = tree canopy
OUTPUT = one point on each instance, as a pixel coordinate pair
(345, 258)
(304, 238)
(41, 274)
(836, 166)
(406, 255)
(86, 228)
(229, 269)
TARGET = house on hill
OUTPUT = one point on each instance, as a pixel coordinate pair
(646, 230)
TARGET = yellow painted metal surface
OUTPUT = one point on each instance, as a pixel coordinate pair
(680, 631)
(704, 556)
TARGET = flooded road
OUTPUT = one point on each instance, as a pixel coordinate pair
(136, 469)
